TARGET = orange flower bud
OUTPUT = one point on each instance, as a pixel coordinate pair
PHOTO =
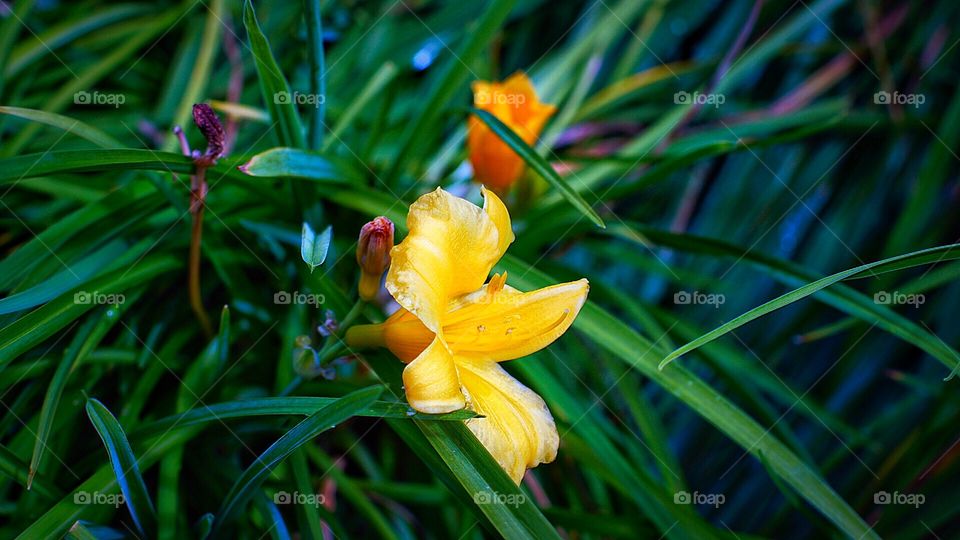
(373, 255)
(515, 103)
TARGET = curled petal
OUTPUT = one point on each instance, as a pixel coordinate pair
(517, 427)
(497, 212)
(431, 381)
(449, 251)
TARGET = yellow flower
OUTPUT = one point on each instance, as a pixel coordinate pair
(452, 329)
(514, 102)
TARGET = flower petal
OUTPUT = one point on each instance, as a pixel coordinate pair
(449, 251)
(497, 212)
(517, 427)
(431, 381)
(507, 324)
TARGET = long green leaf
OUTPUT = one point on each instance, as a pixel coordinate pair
(538, 164)
(322, 420)
(276, 91)
(125, 467)
(283, 406)
(934, 346)
(640, 354)
(65, 123)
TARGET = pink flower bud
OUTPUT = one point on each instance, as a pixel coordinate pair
(373, 255)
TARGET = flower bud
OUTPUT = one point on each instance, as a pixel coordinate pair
(373, 255)
(209, 124)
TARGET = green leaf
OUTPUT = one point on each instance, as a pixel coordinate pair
(538, 164)
(125, 467)
(294, 163)
(21, 335)
(283, 406)
(72, 276)
(313, 248)
(449, 82)
(62, 161)
(640, 354)
(374, 87)
(322, 420)
(84, 342)
(493, 492)
(276, 91)
(930, 344)
(65, 123)
(318, 69)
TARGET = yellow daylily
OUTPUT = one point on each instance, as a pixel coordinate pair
(452, 329)
(515, 103)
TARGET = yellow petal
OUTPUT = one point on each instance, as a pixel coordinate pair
(449, 251)
(431, 381)
(497, 212)
(507, 324)
(517, 428)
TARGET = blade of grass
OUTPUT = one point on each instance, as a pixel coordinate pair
(457, 70)
(304, 432)
(930, 344)
(65, 123)
(88, 337)
(636, 351)
(283, 406)
(273, 85)
(125, 467)
(318, 70)
(374, 87)
(538, 164)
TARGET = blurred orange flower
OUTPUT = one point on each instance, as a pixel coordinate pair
(515, 103)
